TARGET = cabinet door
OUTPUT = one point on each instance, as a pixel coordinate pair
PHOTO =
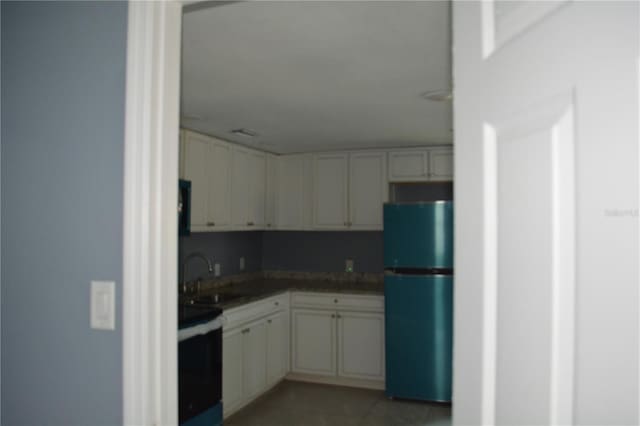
(330, 191)
(368, 189)
(361, 345)
(270, 193)
(408, 166)
(232, 370)
(219, 184)
(239, 188)
(289, 192)
(256, 170)
(313, 342)
(196, 156)
(441, 164)
(277, 344)
(255, 359)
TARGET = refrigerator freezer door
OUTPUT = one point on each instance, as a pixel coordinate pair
(418, 235)
(419, 331)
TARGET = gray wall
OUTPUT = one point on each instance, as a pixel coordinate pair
(224, 248)
(63, 94)
(322, 251)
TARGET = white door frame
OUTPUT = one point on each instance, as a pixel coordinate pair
(150, 225)
(150, 220)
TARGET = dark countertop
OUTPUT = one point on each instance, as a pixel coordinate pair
(238, 294)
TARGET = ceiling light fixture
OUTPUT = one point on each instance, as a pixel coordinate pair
(245, 132)
(437, 95)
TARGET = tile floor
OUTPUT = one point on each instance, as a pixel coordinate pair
(305, 404)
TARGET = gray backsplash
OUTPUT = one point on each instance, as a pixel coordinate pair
(224, 248)
(303, 251)
(322, 251)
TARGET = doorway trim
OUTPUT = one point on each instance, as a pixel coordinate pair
(149, 313)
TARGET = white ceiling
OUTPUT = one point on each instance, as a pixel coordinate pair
(311, 76)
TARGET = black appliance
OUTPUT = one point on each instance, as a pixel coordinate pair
(199, 365)
(184, 207)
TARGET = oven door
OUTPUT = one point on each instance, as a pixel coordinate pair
(199, 369)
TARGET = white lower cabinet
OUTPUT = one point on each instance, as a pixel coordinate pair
(338, 339)
(313, 337)
(328, 338)
(361, 345)
(255, 350)
(277, 347)
(255, 359)
(232, 369)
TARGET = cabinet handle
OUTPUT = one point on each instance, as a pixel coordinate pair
(335, 300)
(246, 330)
(333, 315)
(211, 224)
(277, 303)
(338, 316)
(269, 321)
(249, 223)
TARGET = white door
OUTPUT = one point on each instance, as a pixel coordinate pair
(240, 188)
(255, 359)
(232, 370)
(361, 345)
(219, 183)
(408, 165)
(546, 136)
(368, 189)
(289, 178)
(313, 337)
(330, 191)
(196, 154)
(257, 173)
(270, 192)
(277, 344)
(441, 164)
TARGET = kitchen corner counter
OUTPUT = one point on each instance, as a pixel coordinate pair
(254, 290)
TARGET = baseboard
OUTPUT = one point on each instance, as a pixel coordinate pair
(338, 381)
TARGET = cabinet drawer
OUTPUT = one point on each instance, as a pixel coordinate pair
(338, 301)
(242, 314)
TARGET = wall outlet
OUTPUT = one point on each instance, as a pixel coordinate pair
(216, 270)
(242, 263)
(348, 265)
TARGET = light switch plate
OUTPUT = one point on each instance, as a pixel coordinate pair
(103, 305)
(216, 270)
(242, 263)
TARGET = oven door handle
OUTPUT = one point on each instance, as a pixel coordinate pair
(200, 329)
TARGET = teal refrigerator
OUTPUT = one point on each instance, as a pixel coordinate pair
(418, 288)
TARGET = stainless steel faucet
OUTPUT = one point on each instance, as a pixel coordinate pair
(193, 255)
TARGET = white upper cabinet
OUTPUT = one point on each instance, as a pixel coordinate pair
(368, 189)
(256, 172)
(207, 165)
(196, 165)
(441, 164)
(349, 190)
(421, 164)
(408, 165)
(330, 191)
(219, 185)
(270, 193)
(248, 186)
(239, 188)
(293, 192)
